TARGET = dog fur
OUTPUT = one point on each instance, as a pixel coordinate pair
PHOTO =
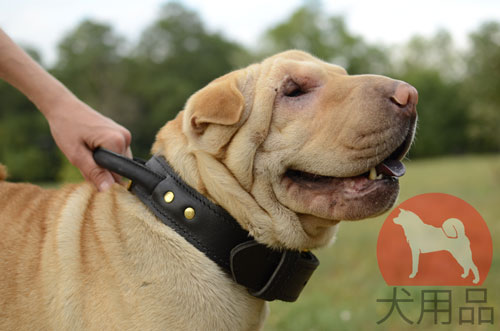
(74, 258)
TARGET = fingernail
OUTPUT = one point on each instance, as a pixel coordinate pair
(104, 186)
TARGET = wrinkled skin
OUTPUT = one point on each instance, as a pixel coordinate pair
(296, 134)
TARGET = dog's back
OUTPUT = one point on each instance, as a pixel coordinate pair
(22, 235)
(81, 259)
(24, 223)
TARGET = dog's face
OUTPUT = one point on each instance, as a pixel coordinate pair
(301, 137)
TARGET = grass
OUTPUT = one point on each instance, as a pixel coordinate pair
(342, 293)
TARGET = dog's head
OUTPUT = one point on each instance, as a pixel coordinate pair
(292, 145)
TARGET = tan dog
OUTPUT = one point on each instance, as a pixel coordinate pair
(287, 146)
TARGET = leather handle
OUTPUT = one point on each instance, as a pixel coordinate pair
(126, 167)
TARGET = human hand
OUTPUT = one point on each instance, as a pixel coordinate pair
(78, 130)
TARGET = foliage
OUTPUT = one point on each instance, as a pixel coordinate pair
(433, 66)
(25, 142)
(175, 57)
(143, 85)
(328, 38)
(482, 86)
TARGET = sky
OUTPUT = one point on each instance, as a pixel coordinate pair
(43, 23)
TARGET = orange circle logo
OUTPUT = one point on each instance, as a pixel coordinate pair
(434, 239)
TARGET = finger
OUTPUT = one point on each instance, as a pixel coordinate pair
(100, 177)
(128, 153)
(113, 141)
(128, 137)
(116, 177)
(104, 182)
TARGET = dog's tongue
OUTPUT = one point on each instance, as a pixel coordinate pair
(392, 168)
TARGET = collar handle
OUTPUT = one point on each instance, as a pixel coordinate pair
(134, 170)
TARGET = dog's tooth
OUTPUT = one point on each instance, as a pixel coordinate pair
(379, 176)
(373, 174)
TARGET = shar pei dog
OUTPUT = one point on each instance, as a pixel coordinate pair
(278, 152)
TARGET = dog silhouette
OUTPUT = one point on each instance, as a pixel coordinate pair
(425, 238)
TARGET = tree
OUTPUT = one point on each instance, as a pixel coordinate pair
(26, 146)
(175, 57)
(90, 63)
(328, 38)
(143, 86)
(434, 67)
(437, 53)
(482, 86)
(442, 114)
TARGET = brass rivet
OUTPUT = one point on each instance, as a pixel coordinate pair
(189, 213)
(169, 197)
(129, 185)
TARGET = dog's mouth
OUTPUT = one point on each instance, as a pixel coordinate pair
(391, 168)
(347, 198)
(388, 169)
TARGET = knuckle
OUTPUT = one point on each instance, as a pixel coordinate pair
(128, 137)
(117, 141)
(95, 173)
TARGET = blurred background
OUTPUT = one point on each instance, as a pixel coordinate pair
(138, 62)
(141, 73)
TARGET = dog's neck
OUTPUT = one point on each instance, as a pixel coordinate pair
(209, 227)
(207, 174)
(204, 172)
(171, 144)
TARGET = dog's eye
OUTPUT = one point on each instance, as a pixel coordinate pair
(293, 90)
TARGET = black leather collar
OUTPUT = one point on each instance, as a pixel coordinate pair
(267, 273)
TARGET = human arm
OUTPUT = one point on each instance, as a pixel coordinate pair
(77, 128)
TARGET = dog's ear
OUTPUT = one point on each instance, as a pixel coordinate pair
(212, 113)
(220, 102)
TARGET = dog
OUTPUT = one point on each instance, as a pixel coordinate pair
(288, 147)
(425, 238)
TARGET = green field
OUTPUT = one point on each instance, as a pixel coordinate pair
(342, 293)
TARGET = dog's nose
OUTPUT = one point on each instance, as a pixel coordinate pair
(405, 96)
